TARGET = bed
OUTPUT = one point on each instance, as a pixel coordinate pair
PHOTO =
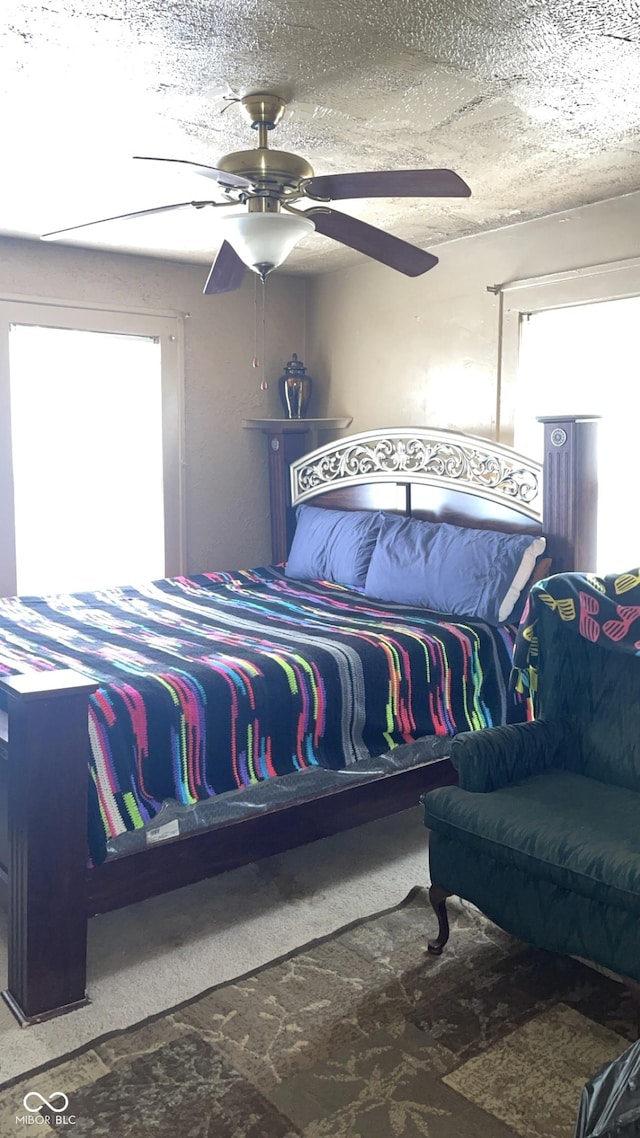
(368, 734)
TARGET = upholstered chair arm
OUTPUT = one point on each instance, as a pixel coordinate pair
(497, 756)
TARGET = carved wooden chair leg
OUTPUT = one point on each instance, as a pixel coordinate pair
(438, 898)
(634, 992)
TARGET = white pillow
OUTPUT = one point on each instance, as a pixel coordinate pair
(529, 558)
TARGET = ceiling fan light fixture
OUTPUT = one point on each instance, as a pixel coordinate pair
(264, 240)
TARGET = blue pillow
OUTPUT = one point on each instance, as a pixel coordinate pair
(333, 545)
(450, 569)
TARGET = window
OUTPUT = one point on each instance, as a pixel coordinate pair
(568, 345)
(94, 436)
(585, 359)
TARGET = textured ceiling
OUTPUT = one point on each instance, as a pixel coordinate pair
(535, 103)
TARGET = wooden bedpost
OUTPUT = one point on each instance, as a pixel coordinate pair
(47, 790)
(570, 489)
(287, 440)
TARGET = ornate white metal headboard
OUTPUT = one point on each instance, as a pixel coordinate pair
(440, 458)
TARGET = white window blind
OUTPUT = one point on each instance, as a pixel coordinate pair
(584, 359)
(87, 447)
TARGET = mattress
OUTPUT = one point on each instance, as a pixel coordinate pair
(220, 681)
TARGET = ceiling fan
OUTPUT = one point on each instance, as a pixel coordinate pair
(268, 181)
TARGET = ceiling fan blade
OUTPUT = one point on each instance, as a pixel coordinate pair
(227, 271)
(201, 168)
(125, 217)
(381, 246)
(387, 184)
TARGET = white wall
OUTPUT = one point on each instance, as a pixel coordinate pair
(393, 351)
(226, 475)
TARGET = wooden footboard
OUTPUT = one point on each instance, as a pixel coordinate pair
(45, 783)
(51, 890)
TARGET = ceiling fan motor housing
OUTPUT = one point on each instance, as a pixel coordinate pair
(273, 170)
(269, 171)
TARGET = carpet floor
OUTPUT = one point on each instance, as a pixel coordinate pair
(358, 1035)
(148, 957)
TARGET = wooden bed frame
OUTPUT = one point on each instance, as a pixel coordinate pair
(44, 877)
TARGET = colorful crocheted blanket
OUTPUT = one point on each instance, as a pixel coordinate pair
(217, 681)
(604, 610)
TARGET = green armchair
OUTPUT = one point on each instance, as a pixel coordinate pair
(542, 833)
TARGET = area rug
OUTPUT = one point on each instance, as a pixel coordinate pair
(358, 1035)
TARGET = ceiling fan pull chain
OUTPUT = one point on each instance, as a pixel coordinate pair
(264, 386)
(255, 362)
